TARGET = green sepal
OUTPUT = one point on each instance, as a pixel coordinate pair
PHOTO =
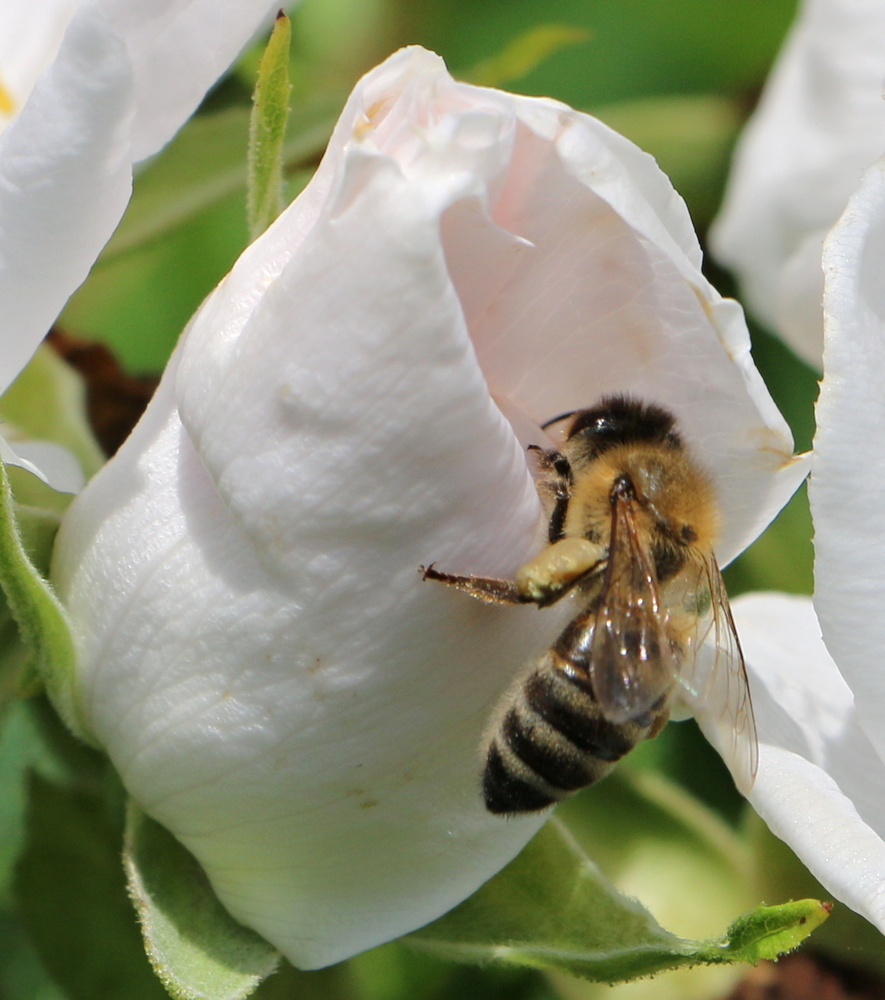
(553, 909)
(195, 946)
(41, 620)
(267, 130)
(523, 54)
(38, 528)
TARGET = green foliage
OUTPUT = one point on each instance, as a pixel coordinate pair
(779, 874)
(203, 166)
(72, 898)
(523, 54)
(196, 948)
(661, 844)
(767, 932)
(552, 908)
(636, 49)
(267, 131)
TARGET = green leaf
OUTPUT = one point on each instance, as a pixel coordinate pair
(20, 747)
(40, 617)
(203, 165)
(767, 932)
(552, 908)
(662, 845)
(268, 130)
(523, 54)
(72, 898)
(196, 948)
(396, 971)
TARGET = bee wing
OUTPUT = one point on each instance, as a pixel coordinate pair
(632, 663)
(713, 676)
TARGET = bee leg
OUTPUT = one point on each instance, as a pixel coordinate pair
(554, 571)
(488, 589)
(556, 486)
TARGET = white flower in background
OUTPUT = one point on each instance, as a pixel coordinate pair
(87, 89)
(819, 125)
(259, 655)
(821, 784)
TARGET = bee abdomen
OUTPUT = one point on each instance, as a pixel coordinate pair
(552, 741)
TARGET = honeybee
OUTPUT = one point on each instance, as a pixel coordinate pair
(632, 524)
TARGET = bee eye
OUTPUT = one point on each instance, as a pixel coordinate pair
(688, 533)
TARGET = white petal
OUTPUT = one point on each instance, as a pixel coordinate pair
(820, 780)
(125, 77)
(29, 40)
(65, 178)
(315, 741)
(52, 463)
(821, 121)
(178, 49)
(847, 490)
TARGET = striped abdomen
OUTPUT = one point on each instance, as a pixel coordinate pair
(554, 740)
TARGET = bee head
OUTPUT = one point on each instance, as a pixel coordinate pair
(619, 420)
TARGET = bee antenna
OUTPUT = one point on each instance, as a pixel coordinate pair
(556, 420)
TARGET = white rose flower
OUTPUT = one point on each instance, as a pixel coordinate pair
(258, 652)
(819, 701)
(87, 90)
(819, 124)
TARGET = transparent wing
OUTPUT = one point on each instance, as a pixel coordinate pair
(713, 677)
(632, 662)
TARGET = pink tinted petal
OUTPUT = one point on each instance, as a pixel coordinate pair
(594, 298)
